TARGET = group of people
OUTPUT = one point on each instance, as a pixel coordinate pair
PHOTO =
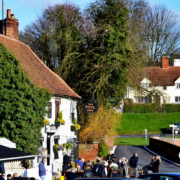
(106, 167)
(9, 176)
(110, 166)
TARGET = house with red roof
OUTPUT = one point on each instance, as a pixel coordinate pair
(63, 97)
(164, 79)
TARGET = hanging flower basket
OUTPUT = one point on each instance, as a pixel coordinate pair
(66, 146)
(46, 122)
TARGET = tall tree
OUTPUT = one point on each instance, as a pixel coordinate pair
(22, 105)
(154, 31)
(101, 67)
(55, 33)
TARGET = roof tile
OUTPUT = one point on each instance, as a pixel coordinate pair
(37, 71)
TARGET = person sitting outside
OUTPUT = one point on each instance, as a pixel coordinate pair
(15, 175)
(115, 173)
(78, 166)
(9, 176)
(71, 175)
(88, 172)
(2, 177)
(80, 162)
(96, 166)
(102, 169)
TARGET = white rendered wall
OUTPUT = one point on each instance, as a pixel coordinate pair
(170, 93)
(67, 106)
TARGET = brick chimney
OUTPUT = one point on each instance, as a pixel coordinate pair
(10, 25)
(165, 62)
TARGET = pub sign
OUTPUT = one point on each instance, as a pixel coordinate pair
(90, 107)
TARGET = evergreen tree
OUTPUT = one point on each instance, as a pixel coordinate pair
(101, 69)
(22, 105)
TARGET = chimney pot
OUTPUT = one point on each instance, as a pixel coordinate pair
(12, 15)
(8, 13)
(165, 62)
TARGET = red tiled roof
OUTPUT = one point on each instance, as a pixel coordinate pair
(163, 77)
(37, 71)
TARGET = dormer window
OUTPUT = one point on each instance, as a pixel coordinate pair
(145, 85)
(178, 85)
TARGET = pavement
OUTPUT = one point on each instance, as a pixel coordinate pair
(144, 158)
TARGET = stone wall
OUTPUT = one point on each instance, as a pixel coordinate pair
(109, 141)
(88, 151)
(169, 147)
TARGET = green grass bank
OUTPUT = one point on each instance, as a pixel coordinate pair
(140, 141)
(134, 123)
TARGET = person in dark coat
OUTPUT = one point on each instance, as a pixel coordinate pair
(66, 159)
(156, 164)
(71, 176)
(110, 157)
(88, 172)
(133, 162)
(2, 168)
(115, 173)
(2, 176)
(95, 167)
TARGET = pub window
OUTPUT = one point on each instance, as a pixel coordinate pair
(42, 140)
(50, 110)
(56, 141)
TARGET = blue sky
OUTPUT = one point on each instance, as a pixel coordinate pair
(26, 11)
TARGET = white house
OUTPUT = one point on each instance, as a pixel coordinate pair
(64, 98)
(164, 79)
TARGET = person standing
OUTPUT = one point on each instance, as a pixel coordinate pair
(157, 164)
(133, 162)
(2, 168)
(66, 160)
(42, 169)
(110, 156)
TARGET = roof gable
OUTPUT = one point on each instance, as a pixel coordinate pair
(145, 80)
(37, 71)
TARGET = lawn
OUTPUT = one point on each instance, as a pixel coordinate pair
(141, 141)
(134, 123)
(132, 141)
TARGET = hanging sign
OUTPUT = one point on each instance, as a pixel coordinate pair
(90, 107)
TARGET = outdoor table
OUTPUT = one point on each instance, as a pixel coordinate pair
(76, 172)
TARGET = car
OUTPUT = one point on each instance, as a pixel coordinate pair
(161, 176)
(107, 178)
(178, 126)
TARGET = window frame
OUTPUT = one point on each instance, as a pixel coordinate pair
(49, 114)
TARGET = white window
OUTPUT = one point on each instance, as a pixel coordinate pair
(164, 87)
(145, 85)
(178, 85)
(177, 98)
(140, 99)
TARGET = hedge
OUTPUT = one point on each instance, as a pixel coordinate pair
(171, 108)
(138, 107)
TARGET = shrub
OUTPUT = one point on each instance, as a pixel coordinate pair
(139, 108)
(171, 108)
(103, 149)
(100, 124)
